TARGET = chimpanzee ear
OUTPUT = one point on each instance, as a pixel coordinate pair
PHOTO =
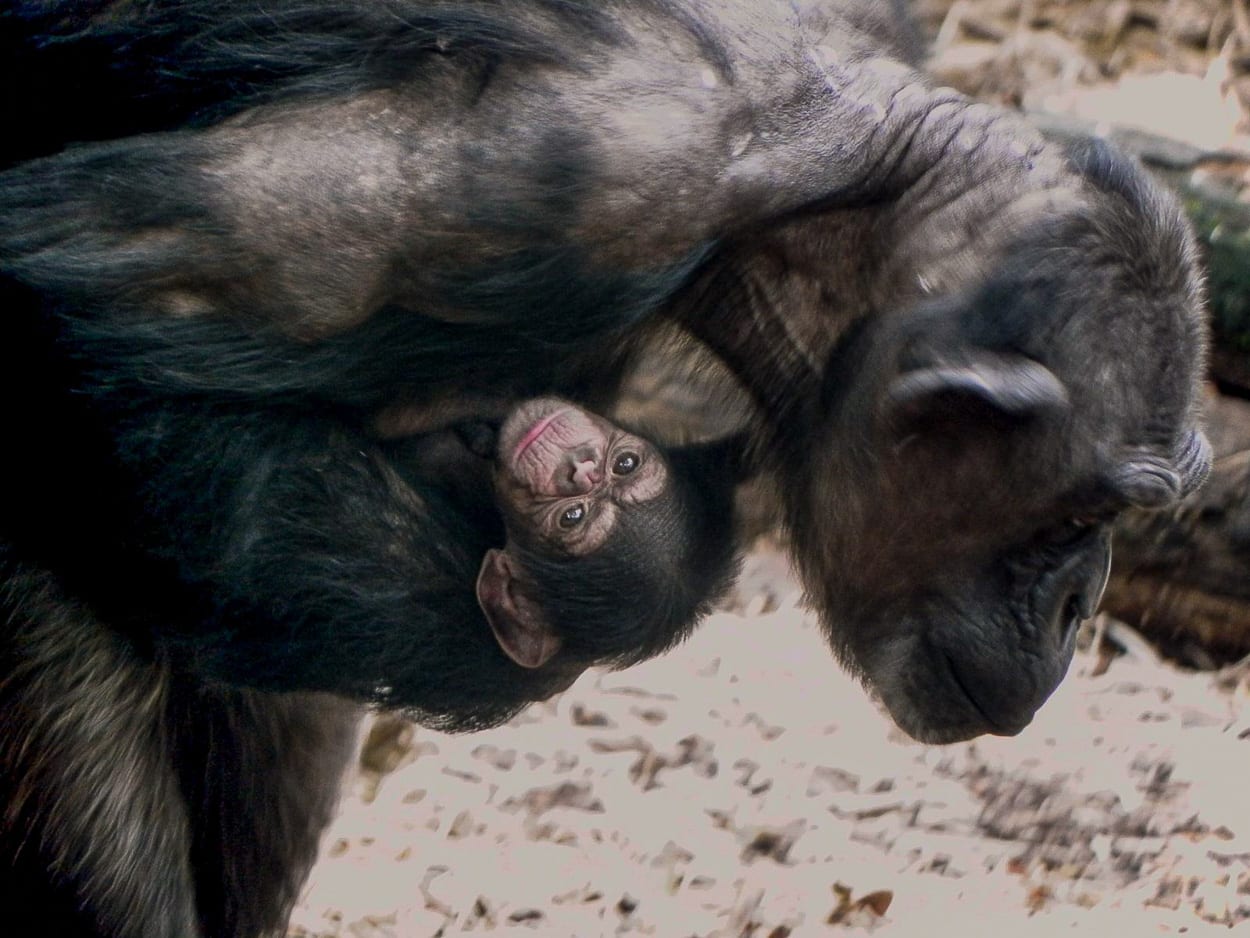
(1005, 384)
(517, 622)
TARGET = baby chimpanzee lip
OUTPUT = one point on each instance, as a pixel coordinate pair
(535, 432)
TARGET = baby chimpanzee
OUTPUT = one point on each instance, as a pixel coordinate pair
(612, 547)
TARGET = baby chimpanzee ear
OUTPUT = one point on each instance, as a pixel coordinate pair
(518, 623)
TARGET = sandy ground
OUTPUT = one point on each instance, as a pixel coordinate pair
(744, 786)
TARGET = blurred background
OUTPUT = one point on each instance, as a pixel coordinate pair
(744, 787)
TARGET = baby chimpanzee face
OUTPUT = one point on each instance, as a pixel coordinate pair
(615, 548)
(565, 474)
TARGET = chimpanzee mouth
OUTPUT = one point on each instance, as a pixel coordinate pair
(994, 726)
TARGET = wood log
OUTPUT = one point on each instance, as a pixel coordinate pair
(1183, 577)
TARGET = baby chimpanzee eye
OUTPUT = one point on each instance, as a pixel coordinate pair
(572, 517)
(626, 463)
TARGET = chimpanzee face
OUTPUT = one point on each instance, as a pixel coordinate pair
(565, 474)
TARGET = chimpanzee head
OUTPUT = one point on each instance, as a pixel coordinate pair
(615, 546)
(951, 511)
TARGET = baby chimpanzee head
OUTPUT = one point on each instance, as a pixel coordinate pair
(615, 546)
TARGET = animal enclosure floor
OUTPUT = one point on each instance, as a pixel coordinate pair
(744, 786)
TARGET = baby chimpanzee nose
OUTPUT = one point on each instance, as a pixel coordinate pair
(585, 473)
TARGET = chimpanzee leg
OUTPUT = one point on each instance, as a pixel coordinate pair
(261, 775)
(94, 835)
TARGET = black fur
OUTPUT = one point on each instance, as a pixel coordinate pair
(112, 70)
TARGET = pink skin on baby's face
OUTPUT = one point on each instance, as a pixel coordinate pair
(569, 472)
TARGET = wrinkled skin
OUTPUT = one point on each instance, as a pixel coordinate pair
(566, 473)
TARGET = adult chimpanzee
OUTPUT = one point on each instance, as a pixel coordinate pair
(969, 350)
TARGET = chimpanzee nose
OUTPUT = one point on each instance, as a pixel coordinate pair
(585, 474)
(1071, 615)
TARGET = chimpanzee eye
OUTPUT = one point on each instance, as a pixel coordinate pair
(1073, 531)
(572, 517)
(626, 463)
